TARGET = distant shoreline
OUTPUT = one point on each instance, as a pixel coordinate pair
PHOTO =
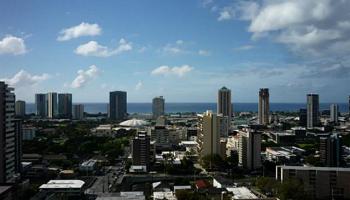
(94, 108)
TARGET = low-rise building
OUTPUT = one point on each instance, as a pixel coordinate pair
(102, 130)
(286, 154)
(88, 166)
(64, 187)
(282, 138)
(132, 195)
(320, 182)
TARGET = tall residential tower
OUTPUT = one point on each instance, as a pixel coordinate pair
(65, 105)
(208, 134)
(52, 110)
(41, 105)
(117, 105)
(224, 105)
(313, 113)
(9, 136)
(264, 106)
(334, 109)
(158, 106)
(20, 108)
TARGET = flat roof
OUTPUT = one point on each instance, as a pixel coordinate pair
(63, 184)
(189, 142)
(314, 168)
(241, 193)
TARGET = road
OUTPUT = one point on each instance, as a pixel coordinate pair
(104, 184)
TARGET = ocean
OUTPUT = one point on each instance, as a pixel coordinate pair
(94, 108)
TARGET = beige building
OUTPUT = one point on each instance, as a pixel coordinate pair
(321, 182)
(208, 134)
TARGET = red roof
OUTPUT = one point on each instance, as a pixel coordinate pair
(201, 184)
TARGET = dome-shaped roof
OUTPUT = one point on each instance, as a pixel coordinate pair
(133, 123)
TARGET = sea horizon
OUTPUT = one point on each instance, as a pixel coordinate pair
(174, 107)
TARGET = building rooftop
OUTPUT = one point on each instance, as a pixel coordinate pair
(133, 123)
(63, 184)
(241, 193)
(315, 168)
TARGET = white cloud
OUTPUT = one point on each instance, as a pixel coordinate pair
(308, 28)
(138, 86)
(226, 14)
(83, 29)
(244, 48)
(12, 45)
(167, 70)
(92, 48)
(202, 52)
(23, 78)
(85, 76)
(175, 48)
(244, 10)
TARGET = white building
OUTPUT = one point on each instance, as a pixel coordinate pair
(73, 187)
(52, 106)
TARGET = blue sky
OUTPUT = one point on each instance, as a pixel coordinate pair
(183, 50)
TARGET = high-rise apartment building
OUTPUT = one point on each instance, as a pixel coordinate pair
(141, 149)
(78, 111)
(9, 138)
(52, 110)
(313, 110)
(331, 150)
(249, 149)
(224, 104)
(208, 137)
(41, 105)
(20, 108)
(264, 106)
(158, 106)
(334, 109)
(65, 105)
(117, 105)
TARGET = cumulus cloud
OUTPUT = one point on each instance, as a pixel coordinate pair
(92, 48)
(138, 86)
(84, 77)
(12, 45)
(308, 28)
(177, 71)
(244, 10)
(23, 78)
(83, 29)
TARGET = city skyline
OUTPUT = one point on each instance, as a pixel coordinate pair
(91, 47)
